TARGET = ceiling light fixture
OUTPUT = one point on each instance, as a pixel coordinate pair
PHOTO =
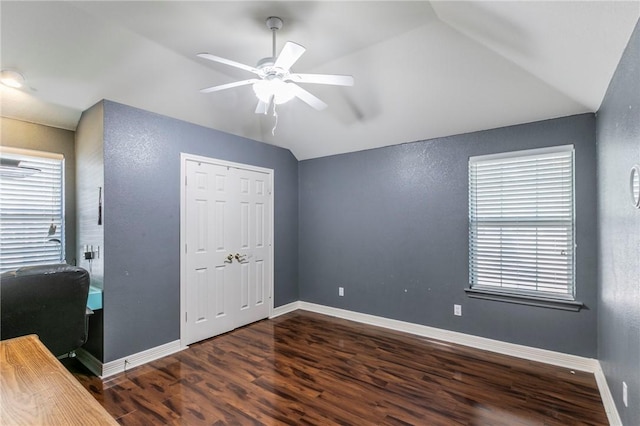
(275, 89)
(11, 78)
(275, 83)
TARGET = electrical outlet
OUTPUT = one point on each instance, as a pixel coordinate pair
(625, 394)
(457, 310)
(340, 291)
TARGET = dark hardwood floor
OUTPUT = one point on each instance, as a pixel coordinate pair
(308, 369)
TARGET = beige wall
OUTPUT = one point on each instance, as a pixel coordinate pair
(20, 134)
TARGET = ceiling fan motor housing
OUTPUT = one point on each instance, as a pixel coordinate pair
(265, 63)
(269, 72)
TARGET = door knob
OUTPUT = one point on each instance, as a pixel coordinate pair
(240, 257)
(229, 258)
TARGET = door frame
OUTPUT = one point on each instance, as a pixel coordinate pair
(184, 157)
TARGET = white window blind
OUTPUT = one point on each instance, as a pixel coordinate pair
(31, 210)
(521, 222)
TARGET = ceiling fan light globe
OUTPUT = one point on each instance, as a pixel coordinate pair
(263, 90)
(280, 91)
(284, 93)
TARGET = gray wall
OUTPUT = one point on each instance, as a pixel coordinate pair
(20, 134)
(142, 221)
(390, 225)
(618, 141)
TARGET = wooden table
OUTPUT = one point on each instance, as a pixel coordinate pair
(36, 389)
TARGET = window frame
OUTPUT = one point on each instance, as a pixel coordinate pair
(30, 158)
(509, 293)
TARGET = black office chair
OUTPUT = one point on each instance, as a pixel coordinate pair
(47, 300)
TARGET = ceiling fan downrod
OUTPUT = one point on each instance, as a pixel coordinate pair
(274, 24)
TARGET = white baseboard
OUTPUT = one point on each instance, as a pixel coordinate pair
(89, 361)
(285, 309)
(607, 398)
(134, 360)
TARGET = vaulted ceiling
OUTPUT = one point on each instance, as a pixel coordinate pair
(422, 69)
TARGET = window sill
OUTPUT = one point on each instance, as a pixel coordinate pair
(542, 302)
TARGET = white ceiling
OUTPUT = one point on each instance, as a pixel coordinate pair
(422, 69)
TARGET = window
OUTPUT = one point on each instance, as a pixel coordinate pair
(31, 208)
(521, 224)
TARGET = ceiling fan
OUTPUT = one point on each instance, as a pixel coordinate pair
(275, 83)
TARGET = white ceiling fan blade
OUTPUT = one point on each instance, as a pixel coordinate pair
(290, 53)
(262, 107)
(215, 58)
(307, 97)
(229, 85)
(335, 79)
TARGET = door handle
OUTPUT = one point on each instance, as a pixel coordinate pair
(229, 258)
(241, 257)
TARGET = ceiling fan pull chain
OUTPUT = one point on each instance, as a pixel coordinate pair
(275, 124)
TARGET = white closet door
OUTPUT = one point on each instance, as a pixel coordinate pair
(210, 280)
(228, 228)
(253, 248)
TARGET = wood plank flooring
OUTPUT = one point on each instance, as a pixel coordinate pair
(309, 369)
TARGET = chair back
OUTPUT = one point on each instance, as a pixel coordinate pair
(47, 300)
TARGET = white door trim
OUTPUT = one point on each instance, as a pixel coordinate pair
(184, 157)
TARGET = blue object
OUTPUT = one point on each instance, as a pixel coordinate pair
(94, 301)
